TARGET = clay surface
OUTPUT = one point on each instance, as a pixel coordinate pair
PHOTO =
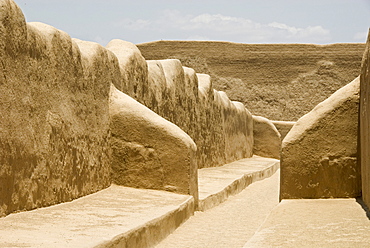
(364, 133)
(222, 129)
(267, 141)
(319, 154)
(133, 67)
(149, 151)
(54, 126)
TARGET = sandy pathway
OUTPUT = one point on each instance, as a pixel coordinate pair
(306, 223)
(231, 223)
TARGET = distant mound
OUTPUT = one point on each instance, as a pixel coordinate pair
(278, 81)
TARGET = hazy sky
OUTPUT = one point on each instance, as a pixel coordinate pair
(245, 21)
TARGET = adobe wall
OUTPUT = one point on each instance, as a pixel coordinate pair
(319, 154)
(267, 139)
(326, 154)
(364, 124)
(148, 151)
(55, 129)
(222, 129)
(54, 125)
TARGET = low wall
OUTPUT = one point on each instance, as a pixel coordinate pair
(267, 139)
(319, 154)
(149, 151)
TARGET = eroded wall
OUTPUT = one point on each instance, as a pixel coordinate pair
(54, 124)
(222, 129)
(148, 151)
(364, 133)
(267, 139)
(319, 154)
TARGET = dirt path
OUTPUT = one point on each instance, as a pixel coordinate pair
(231, 223)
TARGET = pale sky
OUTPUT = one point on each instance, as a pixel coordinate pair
(243, 21)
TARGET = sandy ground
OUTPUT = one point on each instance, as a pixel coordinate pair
(231, 223)
(329, 223)
(140, 217)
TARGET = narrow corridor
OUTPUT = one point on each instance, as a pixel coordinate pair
(230, 224)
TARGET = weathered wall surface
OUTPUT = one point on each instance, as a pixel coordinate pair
(54, 123)
(319, 154)
(364, 133)
(239, 131)
(149, 151)
(134, 71)
(222, 129)
(267, 139)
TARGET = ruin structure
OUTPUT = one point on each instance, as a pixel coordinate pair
(77, 117)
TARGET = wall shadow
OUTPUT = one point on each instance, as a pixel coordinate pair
(364, 207)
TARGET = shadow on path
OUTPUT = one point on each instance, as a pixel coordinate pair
(364, 207)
